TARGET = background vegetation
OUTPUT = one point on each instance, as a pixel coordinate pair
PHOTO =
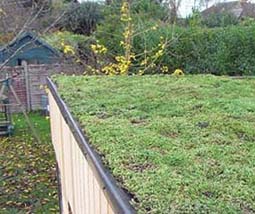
(220, 44)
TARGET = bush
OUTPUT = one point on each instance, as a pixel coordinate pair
(80, 43)
(82, 19)
(220, 20)
(220, 51)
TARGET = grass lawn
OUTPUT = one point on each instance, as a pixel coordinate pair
(178, 145)
(27, 170)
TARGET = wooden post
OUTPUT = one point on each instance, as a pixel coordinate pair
(28, 94)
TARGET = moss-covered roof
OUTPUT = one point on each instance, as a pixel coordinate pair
(178, 145)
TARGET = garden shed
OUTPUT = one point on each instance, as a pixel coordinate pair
(29, 60)
(30, 48)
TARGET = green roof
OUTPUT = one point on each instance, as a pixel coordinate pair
(177, 145)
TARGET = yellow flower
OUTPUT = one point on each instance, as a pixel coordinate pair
(98, 49)
(159, 54)
(154, 27)
(164, 69)
(178, 72)
(140, 72)
(144, 62)
(125, 17)
(69, 49)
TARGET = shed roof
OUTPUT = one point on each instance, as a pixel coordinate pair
(28, 46)
(32, 36)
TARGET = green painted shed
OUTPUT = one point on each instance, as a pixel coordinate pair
(30, 48)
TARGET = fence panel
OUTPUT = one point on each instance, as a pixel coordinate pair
(80, 189)
(29, 81)
(86, 186)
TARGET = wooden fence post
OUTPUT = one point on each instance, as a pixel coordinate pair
(27, 81)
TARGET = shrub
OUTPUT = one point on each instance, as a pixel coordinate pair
(82, 19)
(220, 20)
(220, 51)
(80, 44)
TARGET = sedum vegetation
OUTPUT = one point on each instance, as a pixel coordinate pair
(176, 144)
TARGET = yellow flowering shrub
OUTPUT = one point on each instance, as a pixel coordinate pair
(139, 62)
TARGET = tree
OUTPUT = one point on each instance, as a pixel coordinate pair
(18, 16)
(126, 40)
(82, 18)
(173, 7)
(204, 3)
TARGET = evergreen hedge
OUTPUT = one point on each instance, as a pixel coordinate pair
(220, 51)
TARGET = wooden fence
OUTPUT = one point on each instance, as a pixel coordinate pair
(29, 82)
(86, 186)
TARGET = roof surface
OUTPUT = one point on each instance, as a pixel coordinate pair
(28, 47)
(32, 36)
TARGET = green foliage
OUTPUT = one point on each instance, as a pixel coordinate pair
(195, 19)
(248, 21)
(82, 18)
(195, 49)
(144, 13)
(79, 43)
(220, 20)
(221, 51)
(75, 40)
(110, 32)
(179, 145)
(148, 9)
(225, 48)
(27, 170)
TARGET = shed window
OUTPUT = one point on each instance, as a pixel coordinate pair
(19, 62)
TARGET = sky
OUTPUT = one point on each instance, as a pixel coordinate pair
(186, 6)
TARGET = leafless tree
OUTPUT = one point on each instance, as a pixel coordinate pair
(173, 6)
(19, 16)
(205, 3)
